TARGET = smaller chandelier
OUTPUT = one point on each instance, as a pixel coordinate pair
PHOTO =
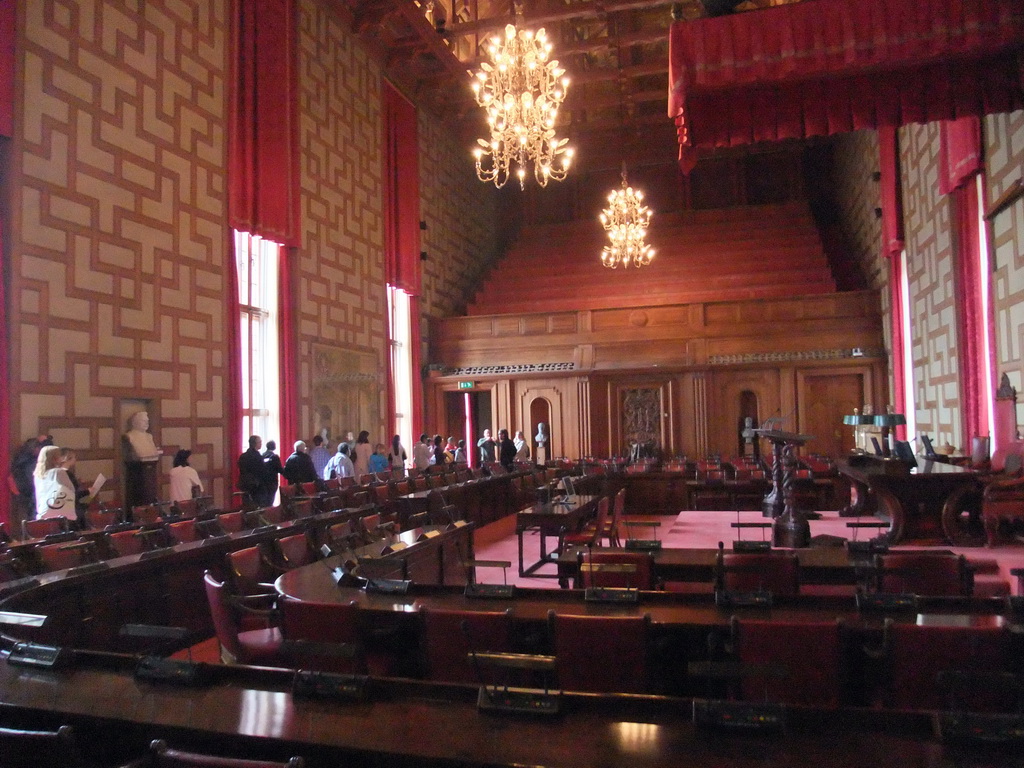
(626, 220)
(521, 91)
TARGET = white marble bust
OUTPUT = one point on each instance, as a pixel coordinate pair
(139, 441)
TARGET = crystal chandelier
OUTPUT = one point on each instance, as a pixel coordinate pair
(521, 91)
(626, 220)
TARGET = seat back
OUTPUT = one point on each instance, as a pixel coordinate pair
(44, 526)
(186, 508)
(294, 551)
(247, 571)
(924, 573)
(917, 654)
(775, 572)
(310, 489)
(58, 557)
(146, 514)
(611, 529)
(183, 531)
(790, 662)
(40, 749)
(616, 569)
(162, 756)
(124, 543)
(98, 519)
(600, 653)
(231, 522)
(325, 637)
(449, 636)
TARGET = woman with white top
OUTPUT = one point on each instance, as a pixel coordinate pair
(183, 477)
(55, 496)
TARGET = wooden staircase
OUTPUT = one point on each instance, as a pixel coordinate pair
(734, 254)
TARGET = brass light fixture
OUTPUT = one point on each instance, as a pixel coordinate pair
(626, 220)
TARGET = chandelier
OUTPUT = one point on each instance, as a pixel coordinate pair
(626, 220)
(521, 91)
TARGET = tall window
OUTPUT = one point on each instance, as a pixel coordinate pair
(400, 335)
(909, 404)
(257, 262)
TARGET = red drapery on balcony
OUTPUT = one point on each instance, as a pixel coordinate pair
(829, 66)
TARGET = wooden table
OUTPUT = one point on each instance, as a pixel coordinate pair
(912, 498)
(552, 519)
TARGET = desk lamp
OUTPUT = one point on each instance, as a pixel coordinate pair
(857, 420)
(887, 421)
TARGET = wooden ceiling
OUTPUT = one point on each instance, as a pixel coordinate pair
(615, 51)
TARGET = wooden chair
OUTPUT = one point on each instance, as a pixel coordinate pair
(146, 514)
(231, 522)
(775, 572)
(328, 637)
(185, 508)
(261, 645)
(448, 637)
(788, 662)
(924, 573)
(40, 749)
(294, 551)
(124, 543)
(59, 557)
(633, 570)
(590, 535)
(100, 518)
(916, 655)
(249, 572)
(611, 529)
(606, 654)
(162, 756)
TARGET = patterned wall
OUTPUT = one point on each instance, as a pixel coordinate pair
(119, 248)
(457, 256)
(342, 304)
(858, 195)
(1004, 153)
(930, 276)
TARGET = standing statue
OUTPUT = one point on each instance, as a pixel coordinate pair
(140, 462)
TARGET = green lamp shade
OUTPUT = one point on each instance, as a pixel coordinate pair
(889, 420)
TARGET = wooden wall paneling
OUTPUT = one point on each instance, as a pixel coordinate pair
(726, 387)
(640, 407)
(554, 394)
(825, 395)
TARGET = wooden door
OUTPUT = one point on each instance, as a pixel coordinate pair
(824, 400)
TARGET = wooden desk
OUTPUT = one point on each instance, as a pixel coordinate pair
(912, 498)
(552, 519)
(406, 724)
(432, 554)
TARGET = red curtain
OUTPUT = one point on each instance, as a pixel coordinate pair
(401, 192)
(959, 152)
(263, 167)
(8, 16)
(892, 246)
(971, 320)
(829, 66)
(288, 363)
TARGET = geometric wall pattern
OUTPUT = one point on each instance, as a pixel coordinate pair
(341, 296)
(930, 277)
(1004, 154)
(118, 238)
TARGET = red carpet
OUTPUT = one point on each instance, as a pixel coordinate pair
(703, 530)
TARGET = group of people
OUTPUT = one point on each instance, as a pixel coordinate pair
(506, 451)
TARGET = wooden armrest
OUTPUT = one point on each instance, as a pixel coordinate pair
(514, 660)
(487, 563)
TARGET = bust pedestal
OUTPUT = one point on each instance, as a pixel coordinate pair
(140, 483)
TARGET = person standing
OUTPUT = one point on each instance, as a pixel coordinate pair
(460, 453)
(437, 455)
(522, 447)
(486, 446)
(507, 450)
(68, 460)
(421, 453)
(361, 457)
(298, 468)
(320, 455)
(397, 456)
(22, 477)
(184, 478)
(272, 470)
(55, 496)
(378, 461)
(340, 464)
(250, 470)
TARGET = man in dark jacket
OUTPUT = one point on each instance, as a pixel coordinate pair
(299, 467)
(506, 450)
(272, 470)
(250, 470)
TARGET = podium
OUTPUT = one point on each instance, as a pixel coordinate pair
(790, 528)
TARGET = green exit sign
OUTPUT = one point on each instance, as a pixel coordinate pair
(466, 385)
